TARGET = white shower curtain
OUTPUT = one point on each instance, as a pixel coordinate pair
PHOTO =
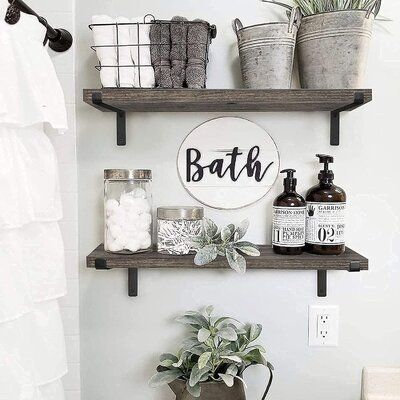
(32, 277)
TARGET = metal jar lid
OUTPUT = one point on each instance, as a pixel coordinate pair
(176, 213)
(127, 174)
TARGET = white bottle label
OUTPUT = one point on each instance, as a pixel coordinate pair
(325, 223)
(289, 226)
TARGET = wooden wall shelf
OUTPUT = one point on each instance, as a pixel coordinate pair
(121, 101)
(349, 261)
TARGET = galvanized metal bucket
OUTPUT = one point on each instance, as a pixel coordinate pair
(210, 391)
(333, 48)
(267, 52)
(216, 390)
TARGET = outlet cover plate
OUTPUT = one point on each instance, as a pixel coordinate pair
(323, 326)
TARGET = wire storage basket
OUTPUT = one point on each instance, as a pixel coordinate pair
(153, 53)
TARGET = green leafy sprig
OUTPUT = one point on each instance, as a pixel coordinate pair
(225, 242)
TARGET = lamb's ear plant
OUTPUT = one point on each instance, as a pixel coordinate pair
(225, 242)
(311, 7)
(217, 350)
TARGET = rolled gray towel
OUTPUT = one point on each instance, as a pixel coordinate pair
(160, 50)
(198, 36)
(179, 31)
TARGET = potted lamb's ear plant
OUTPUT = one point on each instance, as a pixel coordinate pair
(211, 361)
(333, 41)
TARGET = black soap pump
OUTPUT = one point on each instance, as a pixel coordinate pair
(289, 218)
(326, 207)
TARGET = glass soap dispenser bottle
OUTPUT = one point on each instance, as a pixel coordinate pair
(326, 207)
(289, 218)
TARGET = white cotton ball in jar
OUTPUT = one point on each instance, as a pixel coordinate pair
(131, 234)
(145, 240)
(133, 245)
(132, 219)
(108, 239)
(139, 193)
(123, 240)
(127, 201)
(115, 246)
(144, 222)
(111, 206)
(143, 236)
(118, 217)
(115, 230)
(142, 205)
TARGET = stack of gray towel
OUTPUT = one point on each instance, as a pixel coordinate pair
(179, 52)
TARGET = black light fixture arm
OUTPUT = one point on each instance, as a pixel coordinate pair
(60, 39)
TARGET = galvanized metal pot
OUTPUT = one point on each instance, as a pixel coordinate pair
(267, 52)
(333, 48)
(210, 391)
(217, 390)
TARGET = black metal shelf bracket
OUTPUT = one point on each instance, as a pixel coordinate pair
(133, 278)
(322, 278)
(355, 266)
(133, 282)
(322, 282)
(359, 100)
(97, 99)
(101, 264)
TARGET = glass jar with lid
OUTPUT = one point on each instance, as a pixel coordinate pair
(127, 210)
(176, 228)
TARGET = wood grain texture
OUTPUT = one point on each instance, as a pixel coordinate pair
(267, 260)
(229, 100)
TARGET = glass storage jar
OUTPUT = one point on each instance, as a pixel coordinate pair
(127, 210)
(176, 227)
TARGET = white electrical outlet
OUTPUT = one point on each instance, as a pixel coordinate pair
(323, 326)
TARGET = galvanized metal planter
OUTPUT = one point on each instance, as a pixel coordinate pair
(210, 391)
(333, 49)
(217, 390)
(267, 51)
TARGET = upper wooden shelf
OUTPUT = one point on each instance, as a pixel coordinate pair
(122, 100)
(209, 100)
(349, 261)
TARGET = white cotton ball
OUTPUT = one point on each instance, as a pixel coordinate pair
(143, 235)
(132, 218)
(115, 230)
(126, 201)
(117, 218)
(133, 245)
(111, 206)
(129, 236)
(108, 239)
(144, 222)
(115, 246)
(139, 193)
(142, 205)
(123, 240)
(146, 242)
(131, 230)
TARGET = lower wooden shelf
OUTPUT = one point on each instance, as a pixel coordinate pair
(349, 261)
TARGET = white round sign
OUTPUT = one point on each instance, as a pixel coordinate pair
(228, 163)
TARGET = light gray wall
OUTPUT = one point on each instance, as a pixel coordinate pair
(122, 336)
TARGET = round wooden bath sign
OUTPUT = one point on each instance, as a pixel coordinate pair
(228, 163)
